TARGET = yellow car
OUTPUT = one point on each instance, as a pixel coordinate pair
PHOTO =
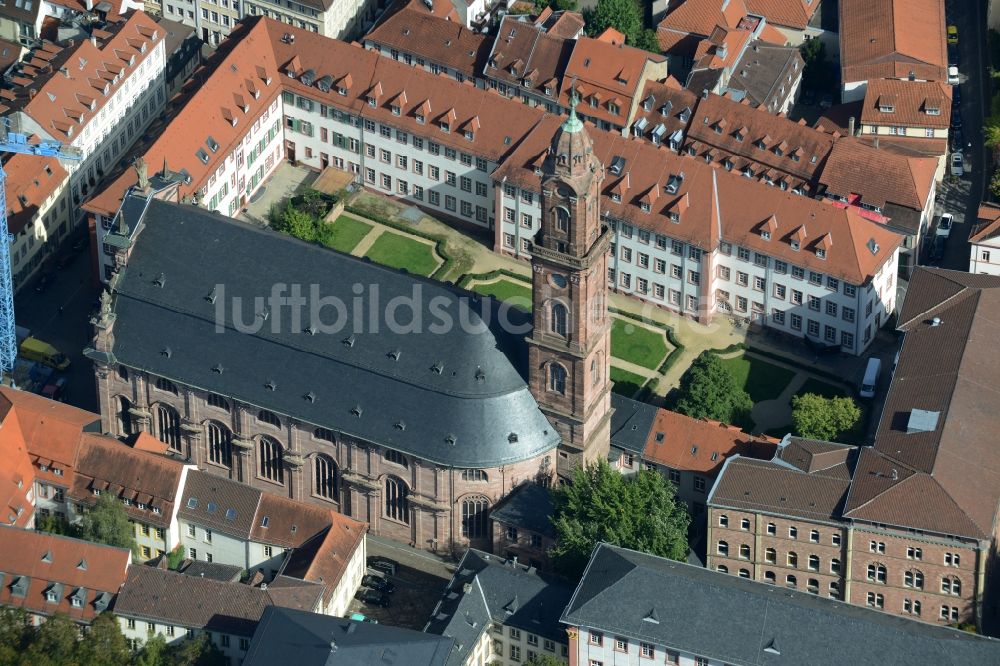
(952, 34)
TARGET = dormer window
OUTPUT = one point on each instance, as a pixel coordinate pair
(821, 253)
(548, 90)
(420, 119)
(886, 108)
(795, 158)
(766, 235)
(645, 207)
(933, 111)
(718, 129)
(795, 245)
(372, 102)
(617, 198)
(445, 127)
(612, 109)
(469, 135)
(674, 217)
(394, 109)
(778, 152)
(342, 91)
(593, 102)
(748, 172)
(727, 165)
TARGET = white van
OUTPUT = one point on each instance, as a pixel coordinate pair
(870, 382)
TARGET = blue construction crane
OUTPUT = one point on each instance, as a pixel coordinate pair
(13, 141)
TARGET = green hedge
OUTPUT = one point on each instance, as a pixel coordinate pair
(466, 279)
(439, 243)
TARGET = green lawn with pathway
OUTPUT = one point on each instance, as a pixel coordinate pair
(345, 233)
(624, 382)
(637, 344)
(762, 380)
(398, 251)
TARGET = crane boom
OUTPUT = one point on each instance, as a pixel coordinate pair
(13, 141)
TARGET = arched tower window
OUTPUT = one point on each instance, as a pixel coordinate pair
(325, 477)
(395, 457)
(397, 499)
(560, 219)
(475, 514)
(216, 400)
(270, 418)
(168, 427)
(558, 316)
(165, 385)
(124, 417)
(325, 434)
(220, 445)
(270, 460)
(557, 378)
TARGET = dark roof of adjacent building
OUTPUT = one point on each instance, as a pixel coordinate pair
(631, 422)
(747, 623)
(762, 74)
(528, 506)
(217, 503)
(310, 639)
(170, 597)
(931, 466)
(188, 267)
(805, 479)
(487, 589)
(228, 573)
(33, 564)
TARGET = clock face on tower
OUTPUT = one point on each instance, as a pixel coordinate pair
(558, 280)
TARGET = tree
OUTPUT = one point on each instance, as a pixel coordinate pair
(104, 643)
(295, 222)
(175, 557)
(197, 651)
(828, 419)
(814, 67)
(106, 522)
(647, 41)
(995, 184)
(542, 659)
(709, 391)
(154, 652)
(53, 643)
(601, 505)
(625, 16)
(14, 634)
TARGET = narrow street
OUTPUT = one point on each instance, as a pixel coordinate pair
(969, 16)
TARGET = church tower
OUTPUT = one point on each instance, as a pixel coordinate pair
(569, 349)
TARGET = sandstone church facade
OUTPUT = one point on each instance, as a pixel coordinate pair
(417, 434)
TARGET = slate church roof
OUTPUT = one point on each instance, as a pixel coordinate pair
(453, 395)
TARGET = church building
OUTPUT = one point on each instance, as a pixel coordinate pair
(293, 368)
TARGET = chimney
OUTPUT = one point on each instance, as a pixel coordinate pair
(704, 93)
(936, 321)
(850, 126)
(31, 93)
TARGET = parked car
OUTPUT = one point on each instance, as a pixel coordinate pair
(378, 583)
(373, 598)
(952, 34)
(957, 164)
(55, 389)
(383, 564)
(361, 617)
(944, 225)
(937, 250)
(953, 75)
(956, 120)
(957, 140)
(64, 259)
(44, 282)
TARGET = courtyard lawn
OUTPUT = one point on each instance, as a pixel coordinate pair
(345, 233)
(398, 251)
(637, 344)
(506, 289)
(625, 383)
(819, 387)
(762, 380)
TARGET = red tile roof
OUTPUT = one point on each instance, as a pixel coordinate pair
(905, 181)
(987, 224)
(699, 17)
(713, 204)
(683, 443)
(69, 99)
(910, 101)
(52, 431)
(108, 465)
(743, 128)
(30, 181)
(438, 40)
(290, 522)
(64, 566)
(788, 13)
(17, 476)
(606, 73)
(325, 557)
(891, 38)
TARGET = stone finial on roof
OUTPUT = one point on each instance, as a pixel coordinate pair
(142, 173)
